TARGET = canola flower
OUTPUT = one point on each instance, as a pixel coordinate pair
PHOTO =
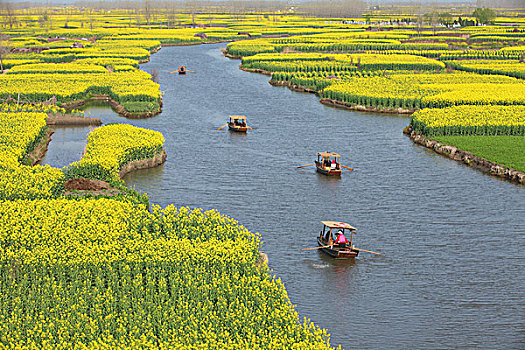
(470, 120)
(135, 53)
(11, 107)
(511, 68)
(30, 182)
(306, 62)
(316, 43)
(19, 133)
(108, 61)
(108, 274)
(121, 86)
(56, 68)
(148, 45)
(428, 90)
(502, 54)
(112, 146)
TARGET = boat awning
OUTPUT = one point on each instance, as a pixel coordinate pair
(236, 117)
(328, 154)
(337, 224)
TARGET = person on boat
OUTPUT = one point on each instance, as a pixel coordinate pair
(327, 236)
(332, 166)
(341, 240)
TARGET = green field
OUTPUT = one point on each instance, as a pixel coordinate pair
(508, 150)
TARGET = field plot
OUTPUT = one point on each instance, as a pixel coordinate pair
(105, 273)
(95, 269)
(507, 150)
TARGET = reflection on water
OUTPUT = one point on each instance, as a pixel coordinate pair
(66, 146)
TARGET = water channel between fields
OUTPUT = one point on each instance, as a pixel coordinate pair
(451, 273)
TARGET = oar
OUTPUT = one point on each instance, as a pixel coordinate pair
(188, 70)
(249, 128)
(302, 166)
(364, 250)
(222, 126)
(175, 71)
(344, 166)
(326, 246)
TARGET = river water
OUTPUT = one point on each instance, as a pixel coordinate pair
(453, 239)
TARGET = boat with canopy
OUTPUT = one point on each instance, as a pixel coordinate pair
(237, 123)
(327, 240)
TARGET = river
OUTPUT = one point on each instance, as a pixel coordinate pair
(451, 274)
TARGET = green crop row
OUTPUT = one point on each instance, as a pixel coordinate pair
(510, 68)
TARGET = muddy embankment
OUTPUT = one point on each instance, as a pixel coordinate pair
(40, 149)
(144, 163)
(84, 187)
(69, 120)
(338, 104)
(467, 158)
(117, 107)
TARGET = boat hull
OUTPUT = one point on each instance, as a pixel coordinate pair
(329, 172)
(336, 252)
(237, 128)
(182, 72)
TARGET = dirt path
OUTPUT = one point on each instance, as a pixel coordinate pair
(67, 119)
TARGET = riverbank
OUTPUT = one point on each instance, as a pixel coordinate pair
(143, 163)
(256, 70)
(69, 120)
(80, 187)
(467, 158)
(325, 101)
(40, 149)
(392, 110)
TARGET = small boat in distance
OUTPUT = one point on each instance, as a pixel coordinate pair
(327, 163)
(326, 240)
(237, 123)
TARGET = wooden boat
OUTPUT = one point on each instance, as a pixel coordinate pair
(237, 123)
(327, 163)
(326, 240)
(181, 70)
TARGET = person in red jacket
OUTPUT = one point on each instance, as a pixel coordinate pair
(341, 239)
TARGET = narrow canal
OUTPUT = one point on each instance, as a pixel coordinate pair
(451, 273)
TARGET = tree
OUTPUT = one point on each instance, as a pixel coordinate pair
(484, 15)
(43, 19)
(4, 49)
(445, 19)
(10, 17)
(147, 12)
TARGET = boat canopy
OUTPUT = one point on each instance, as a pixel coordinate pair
(328, 154)
(237, 117)
(336, 224)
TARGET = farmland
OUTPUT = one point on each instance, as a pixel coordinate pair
(90, 269)
(506, 150)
